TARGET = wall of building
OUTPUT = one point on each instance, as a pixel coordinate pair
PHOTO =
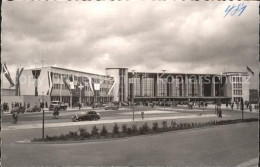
(120, 89)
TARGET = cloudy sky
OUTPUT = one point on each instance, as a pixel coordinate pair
(187, 37)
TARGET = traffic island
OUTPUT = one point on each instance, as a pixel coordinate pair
(130, 131)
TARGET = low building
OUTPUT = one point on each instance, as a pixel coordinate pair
(53, 84)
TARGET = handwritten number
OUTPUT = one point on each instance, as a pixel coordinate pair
(233, 10)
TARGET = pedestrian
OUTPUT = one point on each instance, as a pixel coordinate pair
(250, 107)
(232, 105)
(227, 105)
(28, 105)
(219, 113)
(142, 113)
(46, 104)
(15, 117)
(56, 113)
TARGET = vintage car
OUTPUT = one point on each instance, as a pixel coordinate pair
(60, 105)
(33, 109)
(112, 107)
(86, 116)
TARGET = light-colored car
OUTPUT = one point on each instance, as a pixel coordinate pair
(33, 109)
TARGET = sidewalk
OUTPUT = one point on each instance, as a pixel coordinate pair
(62, 124)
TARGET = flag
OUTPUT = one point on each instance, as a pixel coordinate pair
(90, 83)
(36, 74)
(50, 82)
(112, 84)
(7, 75)
(17, 82)
(71, 82)
(249, 70)
(66, 83)
(96, 86)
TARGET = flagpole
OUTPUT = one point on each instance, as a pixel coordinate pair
(2, 68)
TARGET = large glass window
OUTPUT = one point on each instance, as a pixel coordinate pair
(162, 87)
(148, 87)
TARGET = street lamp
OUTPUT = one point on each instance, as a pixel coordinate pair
(163, 90)
(133, 94)
(42, 117)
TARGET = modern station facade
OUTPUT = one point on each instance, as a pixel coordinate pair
(148, 87)
(121, 85)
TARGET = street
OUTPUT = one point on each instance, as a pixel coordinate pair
(222, 145)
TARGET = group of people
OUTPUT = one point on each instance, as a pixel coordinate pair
(247, 105)
(202, 104)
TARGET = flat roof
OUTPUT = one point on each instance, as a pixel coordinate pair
(167, 73)
(115, 68)
(69, 70)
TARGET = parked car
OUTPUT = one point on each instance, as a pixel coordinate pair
(33, 109)
(96, 105)
(60, 105)
(18, 110)
(111, 108)
(90, 115)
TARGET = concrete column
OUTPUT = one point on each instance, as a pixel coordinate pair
(182, 86)
(141, 86)
(186, 86)
(213, 90)
(200, 86)
(156, 85)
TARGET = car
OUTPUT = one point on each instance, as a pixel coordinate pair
(60, 105)
(96, 105)
(111, 108)
(86, 116)
(33, 109)
(18, 110)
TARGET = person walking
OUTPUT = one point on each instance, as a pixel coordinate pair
(56, 113)
(15, 117)
(227, 105)
(232, 105)
(28, 105)
(142, 113)
(219, 113)
(46, 104)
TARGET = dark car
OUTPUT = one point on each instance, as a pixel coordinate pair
(111, 108)
(96, 105)
(33, 109)
(18, 110)
(86, 116)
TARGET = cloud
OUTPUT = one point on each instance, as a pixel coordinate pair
(146, 36)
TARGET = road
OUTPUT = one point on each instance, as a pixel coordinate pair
(212, 146)
(226, 145)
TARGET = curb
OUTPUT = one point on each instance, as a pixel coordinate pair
(26, 141)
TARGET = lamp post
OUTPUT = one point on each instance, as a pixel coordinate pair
(80, 88)
(163, 90)
(133, 95)
(42, 117)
